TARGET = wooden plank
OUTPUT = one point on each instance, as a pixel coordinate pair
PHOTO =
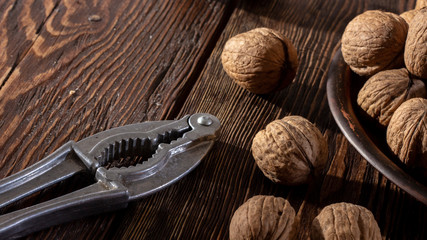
(229, 176)
(94, 65)
(20, 24)
(62, 88)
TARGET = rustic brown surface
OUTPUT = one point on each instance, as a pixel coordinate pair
(69, 69)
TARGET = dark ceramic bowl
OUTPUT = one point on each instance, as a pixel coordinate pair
(363, 133)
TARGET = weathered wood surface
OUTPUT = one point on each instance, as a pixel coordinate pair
(65, 75)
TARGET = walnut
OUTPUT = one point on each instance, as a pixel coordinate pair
(374, 41)
(261, 60)
(420, 4)
(409, 15)
(290, 150)
(345, 221)
(416, 45)
(384, 92)
(407, 134)
(262, 217)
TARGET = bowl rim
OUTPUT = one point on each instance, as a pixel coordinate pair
(338, 92)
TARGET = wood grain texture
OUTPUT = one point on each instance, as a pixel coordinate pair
(80, 76)
(315, 27)
(20, 24)
(85, 66)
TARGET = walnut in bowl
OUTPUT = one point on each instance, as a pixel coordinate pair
(374, 41)
(416, 45)
(407, 134)
(384, 92)
(369, 140)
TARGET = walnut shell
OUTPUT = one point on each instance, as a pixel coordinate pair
(289, 150)
(384, 92)
(420, 4)
(262, 217)
(416, 45)
(374, 41)
(261, 60)
(407, 134)
(409, 15)
(345, 221)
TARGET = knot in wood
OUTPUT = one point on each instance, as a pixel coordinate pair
(94, 18)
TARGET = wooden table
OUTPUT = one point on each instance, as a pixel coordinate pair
(71, 68)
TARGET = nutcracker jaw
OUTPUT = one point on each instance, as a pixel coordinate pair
(169, 150)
